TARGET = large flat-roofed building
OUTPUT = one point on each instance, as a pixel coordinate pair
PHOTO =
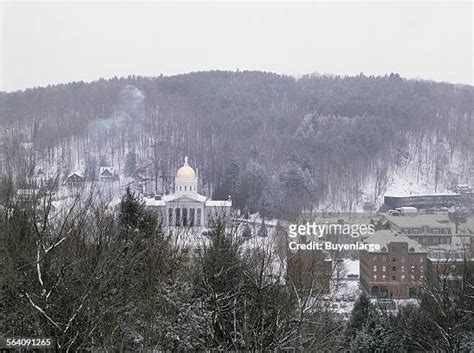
(426, 229)
(395, 271)
(186, 208)
(422, 201)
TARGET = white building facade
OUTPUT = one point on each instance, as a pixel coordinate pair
(186, 208)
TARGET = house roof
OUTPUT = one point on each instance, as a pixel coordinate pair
(107, 171)
(76, 173)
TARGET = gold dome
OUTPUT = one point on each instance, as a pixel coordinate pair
(185, 171)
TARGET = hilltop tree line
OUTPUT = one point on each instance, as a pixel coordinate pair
(338, 132)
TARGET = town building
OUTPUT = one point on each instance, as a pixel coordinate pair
(185, 207)
(422, 201)
(426, 229)
(395, 271)
(75, 180)
(107, 174)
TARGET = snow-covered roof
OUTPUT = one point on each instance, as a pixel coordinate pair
(385, 237)
(26, 191)
(419, 195)
(352, 266)
(191, 196)
(439, 220)
(152, 202)
(256, 219)
(76, 173)
(110, 170)
(408, 209)
(218, 203)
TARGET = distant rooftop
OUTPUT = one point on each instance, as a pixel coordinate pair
(413, 195)
(435, 219)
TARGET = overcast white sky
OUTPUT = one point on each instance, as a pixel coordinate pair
(47, 43)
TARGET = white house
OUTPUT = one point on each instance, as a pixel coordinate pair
(186, 207)
(107, 174)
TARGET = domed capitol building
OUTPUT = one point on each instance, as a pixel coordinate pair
(186, 207)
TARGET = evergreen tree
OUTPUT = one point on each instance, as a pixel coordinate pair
(252, 183)
(272, 200)
(230, 183)
(218, 283)
(375, 335)
(103, 161)
(358, 316)
(130, 164)
(294, 186)
(134, 218)
(91, 168)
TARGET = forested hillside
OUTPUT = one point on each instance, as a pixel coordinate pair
(317, 142)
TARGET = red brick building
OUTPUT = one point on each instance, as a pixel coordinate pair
(395, 271)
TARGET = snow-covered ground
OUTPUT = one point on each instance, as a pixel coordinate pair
(411, 171)
(344, 292)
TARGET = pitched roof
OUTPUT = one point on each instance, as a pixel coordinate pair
(76, 173)
(385, 237)
(107, 171)
(173, 197)
(194, 197)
